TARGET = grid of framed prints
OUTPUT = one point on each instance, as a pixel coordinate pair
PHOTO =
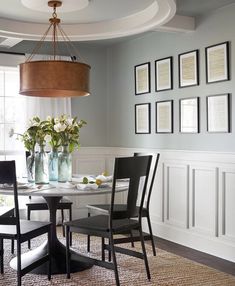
(217, 110)
(217, 106)
(217, 69)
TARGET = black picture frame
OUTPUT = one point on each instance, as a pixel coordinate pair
(188, 68)
(164, 116)
(143, 118)
(218, 113)
(217, 63)
(142, 78)
(164, 74)
(189, 115)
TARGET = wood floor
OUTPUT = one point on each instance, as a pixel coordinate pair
(201, 257)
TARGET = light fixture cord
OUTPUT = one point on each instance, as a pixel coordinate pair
(54, 22)
(54, 15)
(39, 44)
(69, 44)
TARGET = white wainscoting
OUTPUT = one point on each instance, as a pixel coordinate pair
(193, 201)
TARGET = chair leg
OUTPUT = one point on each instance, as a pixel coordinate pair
(12, 246)
(114, 259)
(102, 249)
(151, 235)
(89, 238)
(28, 218)
(132, 242)
(144, 253)
(18, 263)
(70, 218)
(1, 256)
(67, 230)
(62, 219)
(109, 252)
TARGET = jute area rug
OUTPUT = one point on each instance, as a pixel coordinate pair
(166, 269)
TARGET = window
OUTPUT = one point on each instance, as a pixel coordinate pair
(12, 115)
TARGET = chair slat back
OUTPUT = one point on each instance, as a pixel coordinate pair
(152, 174)
(8, 176)
(132, 168)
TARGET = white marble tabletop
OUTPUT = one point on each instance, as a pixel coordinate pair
(55, 189)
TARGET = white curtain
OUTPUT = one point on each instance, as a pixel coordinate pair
(43, 107)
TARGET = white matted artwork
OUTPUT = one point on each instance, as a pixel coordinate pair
(164, 116)
(142, 118)
(142, 78)
(217, 63)
(189, 115)
(163, 74)
(218, 113)
(188, 69)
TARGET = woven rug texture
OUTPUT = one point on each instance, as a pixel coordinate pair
(166, 269)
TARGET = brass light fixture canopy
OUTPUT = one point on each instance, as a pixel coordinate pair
(54, 78)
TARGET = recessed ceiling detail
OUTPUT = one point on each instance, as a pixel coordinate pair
(68, 5)
(85, 20)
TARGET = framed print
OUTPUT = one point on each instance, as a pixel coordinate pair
(218, 113)
(188, 69)
(142, 118)
(163, 74)
(164, 116)
(217, 63)
(189, 115)
(142, 78)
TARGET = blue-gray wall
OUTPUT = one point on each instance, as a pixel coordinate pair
(93, 108)
(110, 109)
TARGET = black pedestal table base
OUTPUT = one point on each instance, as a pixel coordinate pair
(58, 250)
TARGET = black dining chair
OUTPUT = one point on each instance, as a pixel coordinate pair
(21, 230)
(8, 212)
(39, 204)
(106, 226)
(103, 208)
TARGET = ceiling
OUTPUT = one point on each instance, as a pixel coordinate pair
(195, 8)
(23, 21)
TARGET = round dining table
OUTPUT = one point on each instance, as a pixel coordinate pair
(53, 193)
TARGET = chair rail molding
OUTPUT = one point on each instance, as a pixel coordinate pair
(192, 202)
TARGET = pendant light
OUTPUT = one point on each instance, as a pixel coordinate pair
(55, 77)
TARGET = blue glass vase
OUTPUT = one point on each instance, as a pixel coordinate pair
(41, 167)
(30, 165)
(53, 165)
(64, 165)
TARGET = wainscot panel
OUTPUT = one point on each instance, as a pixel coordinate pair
(193, 197)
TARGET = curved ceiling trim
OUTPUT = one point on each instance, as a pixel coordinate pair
(156, 14)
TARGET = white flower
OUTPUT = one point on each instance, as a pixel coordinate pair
(69, 121)
(48, 118)
(57, 120)
(59, 127)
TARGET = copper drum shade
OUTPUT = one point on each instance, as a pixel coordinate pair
(54, 79)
